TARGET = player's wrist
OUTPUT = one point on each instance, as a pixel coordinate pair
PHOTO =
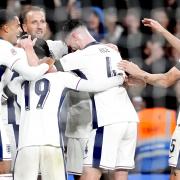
(145, 76)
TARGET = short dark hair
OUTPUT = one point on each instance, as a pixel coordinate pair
(69, 26)
(6, 16)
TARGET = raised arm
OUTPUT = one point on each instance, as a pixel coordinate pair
(27, 44)
(163, 80)
(173, 40)
(30, 72)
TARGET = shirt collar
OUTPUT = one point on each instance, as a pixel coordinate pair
(91, 43)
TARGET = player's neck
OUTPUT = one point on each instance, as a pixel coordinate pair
(87, 41)
(2, 36)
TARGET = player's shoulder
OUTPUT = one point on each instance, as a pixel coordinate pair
(57, 47)
(20, 51)
(99, 48)
(9, 48)
(5, 44)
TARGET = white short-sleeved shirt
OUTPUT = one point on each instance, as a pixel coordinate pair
(99, 62)
(40, 102)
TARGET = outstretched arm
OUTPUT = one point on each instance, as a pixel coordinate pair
(97, 86)
(92, 85)
(173, 40)
(163, 80)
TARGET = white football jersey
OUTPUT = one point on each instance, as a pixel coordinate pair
(99, 62)
(77, 113)
(10, 112)
(15, 59)
(40, 103)
(8, 54)
(79, 117)
(58, 48)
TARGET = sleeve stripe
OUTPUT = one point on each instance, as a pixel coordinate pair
(5, 97)
(78, 83)
(13, 64)
(8, 92)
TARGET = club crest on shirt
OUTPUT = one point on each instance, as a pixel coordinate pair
(85, 152)
(13, 51)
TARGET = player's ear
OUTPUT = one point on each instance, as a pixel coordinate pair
(5, 27)
(74, 35)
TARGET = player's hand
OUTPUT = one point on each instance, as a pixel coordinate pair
(48, 60)
(52, 69)
(5, 167)
(113, 46)
(134, 82)
(152, 24)
(26, 43)
(129, 67)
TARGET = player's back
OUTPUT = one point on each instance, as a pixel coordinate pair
(99, 62)
(40, 102)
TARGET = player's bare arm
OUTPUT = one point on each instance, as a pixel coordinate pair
(27, 44)
(174, 41)
(163, 80)
(130, 68)
(134, 78)
(5, 167)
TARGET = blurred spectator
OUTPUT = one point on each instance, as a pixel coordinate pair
(95, 23)
(138, 103)
(89, 3)
(3, 4)
(156, 62)
(13, 6)
(74, 9)
(160, 15)
(54, 10)
(171, 9)
(132, 40)
(114, 30)
(176, 88)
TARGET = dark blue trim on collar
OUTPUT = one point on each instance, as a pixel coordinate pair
(91, 43)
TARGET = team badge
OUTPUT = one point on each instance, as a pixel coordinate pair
(13, 51)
